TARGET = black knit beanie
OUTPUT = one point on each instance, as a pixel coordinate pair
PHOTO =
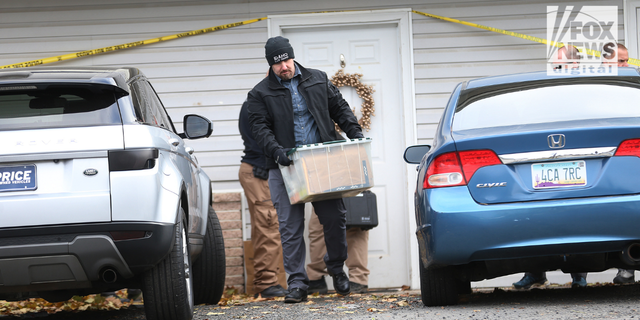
(278, 49)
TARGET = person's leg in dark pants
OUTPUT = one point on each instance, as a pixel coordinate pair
(291, 220)
(333, 217)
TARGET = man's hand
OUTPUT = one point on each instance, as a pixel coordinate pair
(358, 135)
(281, 157)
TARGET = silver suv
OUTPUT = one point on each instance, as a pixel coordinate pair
(98, 191)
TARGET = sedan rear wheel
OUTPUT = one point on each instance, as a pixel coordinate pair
(439, 287)
(168, 287)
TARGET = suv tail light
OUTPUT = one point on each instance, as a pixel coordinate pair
(456, 168)
(132, 159)
(629, 147)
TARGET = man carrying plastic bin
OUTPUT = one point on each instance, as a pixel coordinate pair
(295, 106)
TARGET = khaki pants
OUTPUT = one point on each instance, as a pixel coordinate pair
(265, 236)
(357, 249)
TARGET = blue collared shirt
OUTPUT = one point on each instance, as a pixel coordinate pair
(304, 125)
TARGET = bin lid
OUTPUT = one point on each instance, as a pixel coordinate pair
(330, 144)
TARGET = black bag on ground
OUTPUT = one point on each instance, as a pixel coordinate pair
(362, 211)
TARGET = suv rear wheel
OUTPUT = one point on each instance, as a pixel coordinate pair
(168, 287)
(209, 270)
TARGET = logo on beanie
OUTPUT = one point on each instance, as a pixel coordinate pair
(281, 57)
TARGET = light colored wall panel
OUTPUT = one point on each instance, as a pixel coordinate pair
(429, 115)
(216, 144)
(210, 74)
(206, 99)
(213, 113)
(438, 85)
(223, 158)
(204, 68)
(224, 173)
(476, 69)
(194, 84)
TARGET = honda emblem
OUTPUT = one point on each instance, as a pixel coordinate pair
(556, 141)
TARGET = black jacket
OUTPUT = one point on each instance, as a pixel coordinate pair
(252, 151)
(271, 111)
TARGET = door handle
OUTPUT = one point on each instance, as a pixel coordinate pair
(189, 150)
(174, 142)
(342, 62)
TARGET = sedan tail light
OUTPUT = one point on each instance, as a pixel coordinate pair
(629, 147)
(476, 159)
(456, 168)
(444, 171)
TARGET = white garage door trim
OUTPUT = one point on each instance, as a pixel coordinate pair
(402, 17)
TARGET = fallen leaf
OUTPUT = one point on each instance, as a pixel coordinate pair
(403, 303)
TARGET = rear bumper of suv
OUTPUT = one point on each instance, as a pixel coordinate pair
(453, 229)
(73, 256)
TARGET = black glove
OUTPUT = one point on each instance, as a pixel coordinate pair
(281, 157)
(358, 135)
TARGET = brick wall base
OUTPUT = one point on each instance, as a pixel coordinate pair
(228, 207)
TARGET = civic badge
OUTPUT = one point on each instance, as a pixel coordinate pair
(90, 172)
(556, 141)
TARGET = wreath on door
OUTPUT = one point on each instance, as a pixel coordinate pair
(341, 79)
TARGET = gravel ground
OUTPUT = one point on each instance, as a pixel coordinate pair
(553, 302)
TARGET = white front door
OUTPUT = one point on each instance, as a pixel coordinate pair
(373, 51)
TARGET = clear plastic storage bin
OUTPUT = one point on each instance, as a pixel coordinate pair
(330, 170)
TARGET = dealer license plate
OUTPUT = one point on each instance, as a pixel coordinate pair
(18, 178)
(559, 174)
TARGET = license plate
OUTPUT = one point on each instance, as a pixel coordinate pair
(559, 174)
(18, 178)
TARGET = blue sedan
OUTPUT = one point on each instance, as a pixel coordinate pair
(529, 173)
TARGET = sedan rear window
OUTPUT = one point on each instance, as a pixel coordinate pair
(55, 105)
(548, 105)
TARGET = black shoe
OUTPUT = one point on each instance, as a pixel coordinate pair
(319, 286)
(530, 279)
(133, 294)
(341, 283)
(295, 295)
(624, 276)
(272, 292)
(358, 288)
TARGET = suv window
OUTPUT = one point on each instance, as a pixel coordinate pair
(52, 105)
(148, 107)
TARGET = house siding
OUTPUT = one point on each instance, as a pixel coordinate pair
(211, 73)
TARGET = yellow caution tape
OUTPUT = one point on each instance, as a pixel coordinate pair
(126, 45)
(226, 26)
(515, 34)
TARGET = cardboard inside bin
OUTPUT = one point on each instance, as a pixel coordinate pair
(329, 171)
